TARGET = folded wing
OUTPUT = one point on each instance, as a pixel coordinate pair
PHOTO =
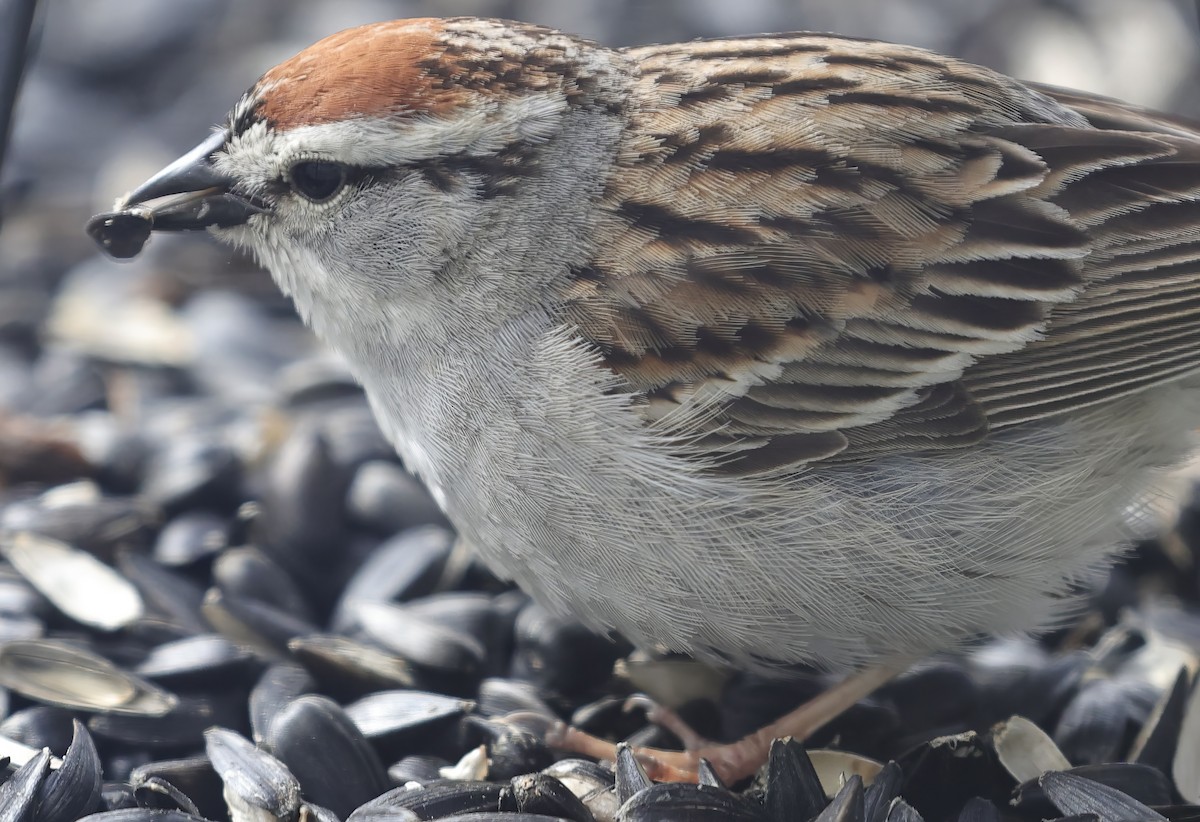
(854, 249)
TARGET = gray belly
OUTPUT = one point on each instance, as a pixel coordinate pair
(839, 565)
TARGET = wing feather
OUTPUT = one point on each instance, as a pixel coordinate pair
(871, 249)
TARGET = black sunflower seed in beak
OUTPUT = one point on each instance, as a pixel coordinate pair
(188, 195)
(121, 233)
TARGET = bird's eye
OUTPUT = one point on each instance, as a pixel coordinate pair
(316, 180)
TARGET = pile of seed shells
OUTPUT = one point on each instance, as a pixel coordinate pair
(223, 597)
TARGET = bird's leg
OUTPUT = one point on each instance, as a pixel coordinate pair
(735, 760)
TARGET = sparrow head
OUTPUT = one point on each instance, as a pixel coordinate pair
(392, 160)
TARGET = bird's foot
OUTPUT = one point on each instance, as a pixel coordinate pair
(734, 761)
(660, 765)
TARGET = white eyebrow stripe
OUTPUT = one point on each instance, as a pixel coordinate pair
(481, 129)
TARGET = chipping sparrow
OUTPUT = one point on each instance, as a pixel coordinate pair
(777, 349)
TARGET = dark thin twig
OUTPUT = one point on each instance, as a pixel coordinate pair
(16, 21)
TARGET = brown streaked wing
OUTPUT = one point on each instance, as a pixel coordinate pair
(840, 249)
(1137, 324)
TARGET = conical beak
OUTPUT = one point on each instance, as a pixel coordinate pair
(188, 195)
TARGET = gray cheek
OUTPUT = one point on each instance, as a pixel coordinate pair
(398, 235)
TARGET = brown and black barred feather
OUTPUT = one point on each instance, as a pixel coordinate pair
(838, 249)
